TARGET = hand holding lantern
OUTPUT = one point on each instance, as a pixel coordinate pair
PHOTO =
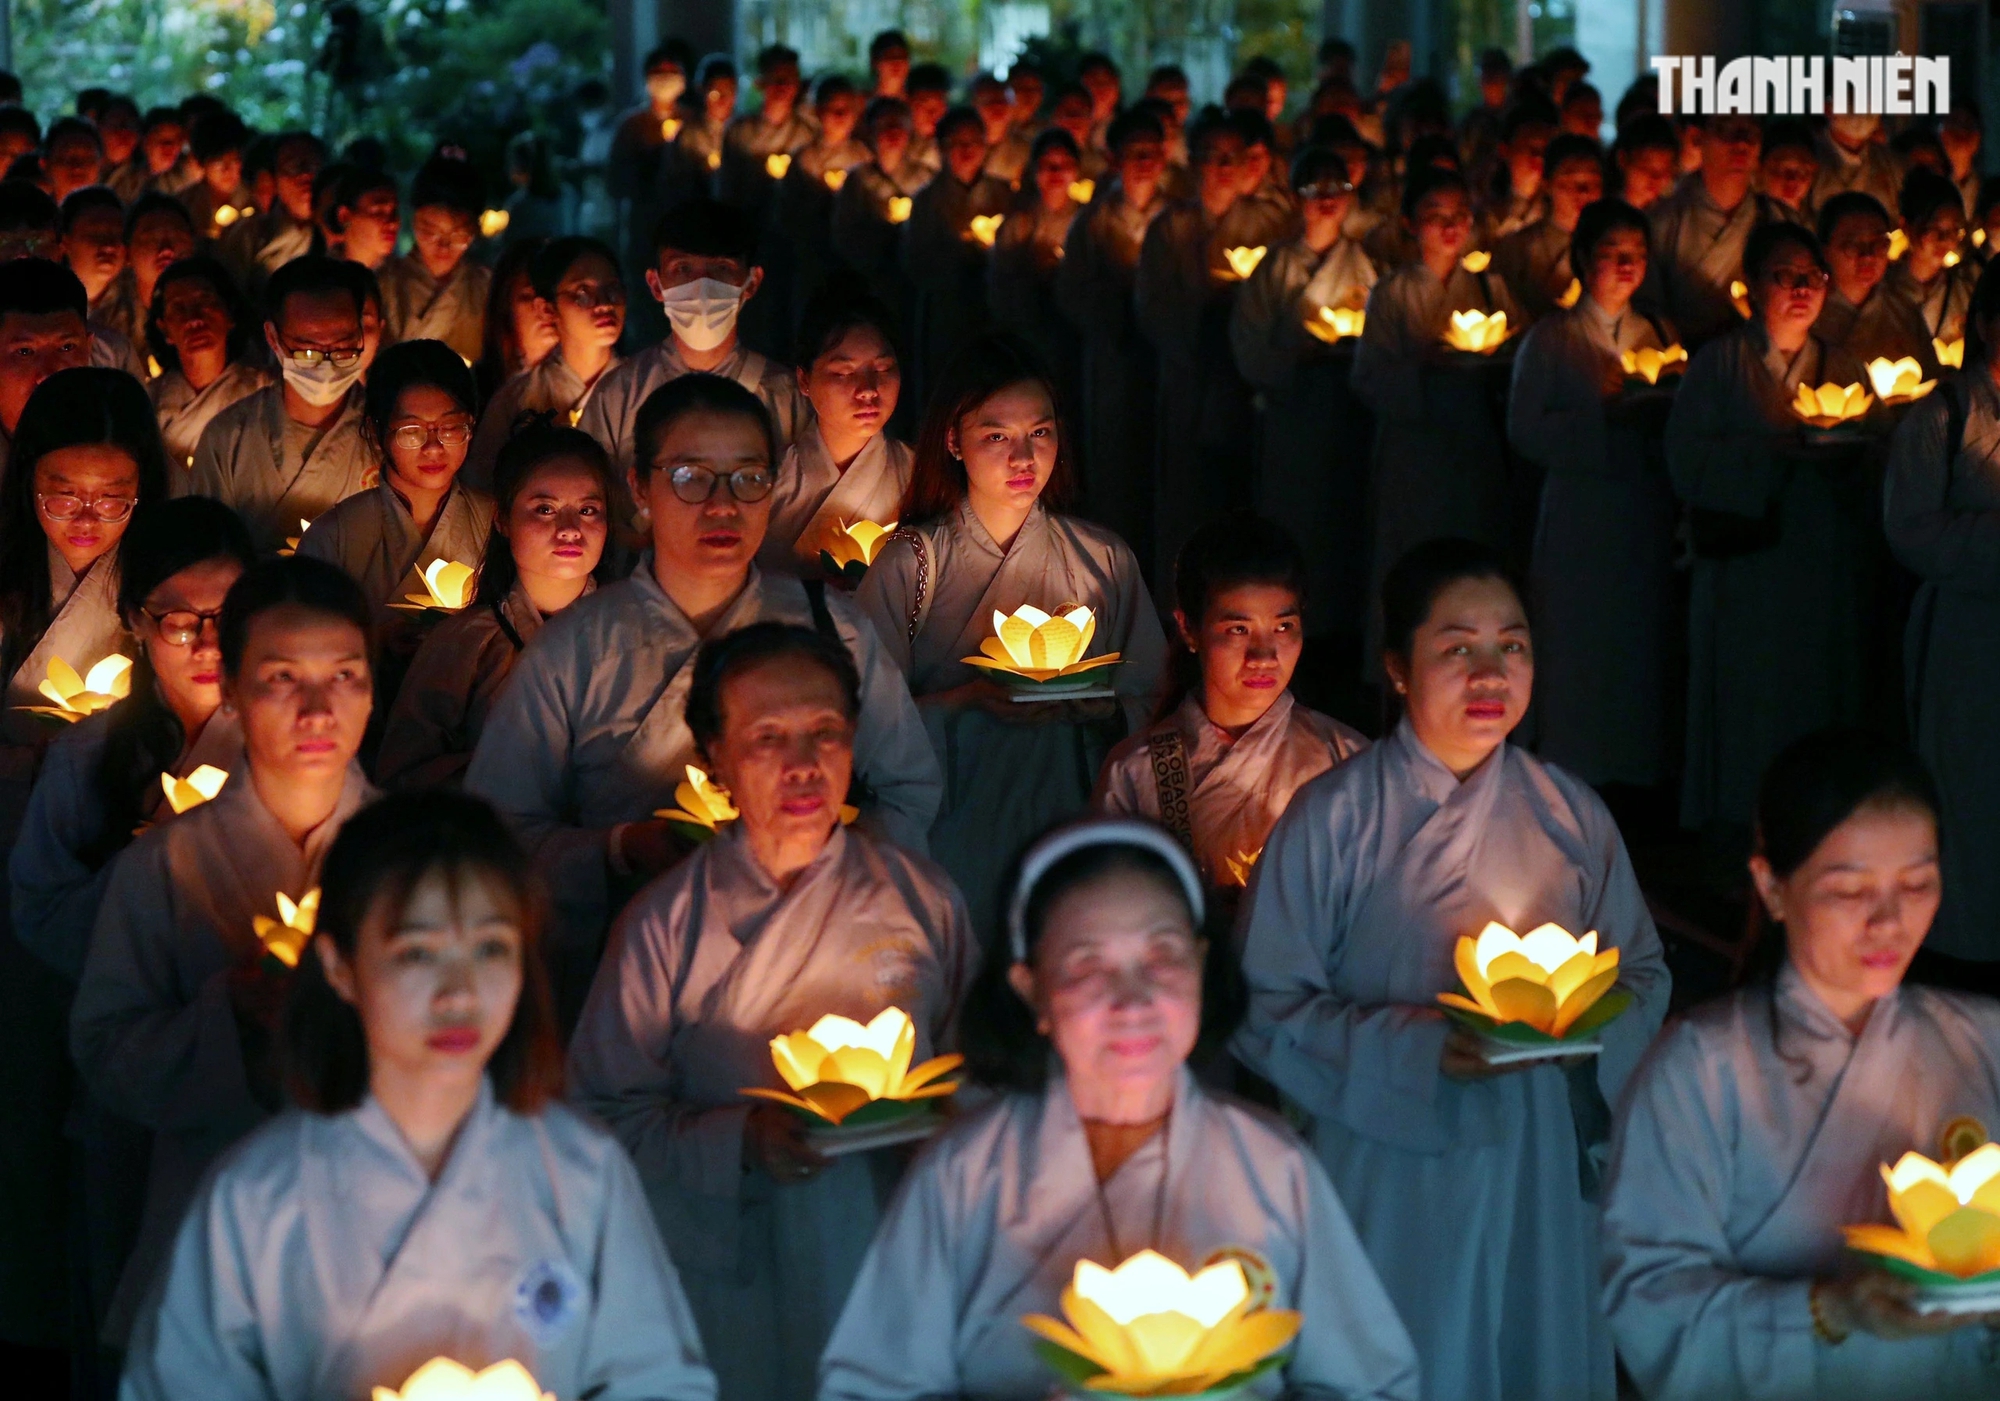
(1147, 1328)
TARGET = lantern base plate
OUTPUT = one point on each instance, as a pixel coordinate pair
(838, 1142)
(1514, 1053)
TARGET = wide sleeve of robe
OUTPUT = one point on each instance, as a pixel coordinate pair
(892, 752)
(1168, 311)
(1941, 542)
(1688, 1323)
(1718, 444)
(1555, 415)
(55, 895)
(1264, 324)
(1389, 362)
(447, 693)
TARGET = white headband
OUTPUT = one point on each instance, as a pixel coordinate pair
(1097, 831)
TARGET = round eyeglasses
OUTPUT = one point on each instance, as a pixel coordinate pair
(180, 626)
(67, 506)
(695, 485)
(413, 437)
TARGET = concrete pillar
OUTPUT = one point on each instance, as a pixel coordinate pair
(1613, 35)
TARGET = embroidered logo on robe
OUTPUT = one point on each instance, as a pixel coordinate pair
(1257, 1273)
(548, 1300)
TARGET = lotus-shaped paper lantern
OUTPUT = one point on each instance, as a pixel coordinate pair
(670, 128)
(1476, 331)
(442, 1379)
(104, 685)
(493, 222)
(1570, 294)
(899, 209)
(1899, 381)
(1947, 1220)
(835, 179)
(1649, 364)
(1979, 238)
(1334, 323)
(225, 215)
(1551, 982)
(1899, 244)
(841, 1066)
(1952, 259)
(194, 790)
(703, 802)
(291, 541)
(1950, 353)
(1149, 1329)
(715, 160)
(286, 937)
(776, 164)
(1478, 260)
(1034, 646)
(849, 547)
(1242, 261)
(1831, 405)
(447, 587)
(985, 228)
(1236, 869)
(1083, 191)
(1739, 297)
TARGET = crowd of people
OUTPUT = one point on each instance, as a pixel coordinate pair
(472, 698)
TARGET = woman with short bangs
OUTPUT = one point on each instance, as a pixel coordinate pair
(173, 1020)
(983, 533)
(427, 1198)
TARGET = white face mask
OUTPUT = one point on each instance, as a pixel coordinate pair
(665, 88)
(703, 312)
(320, 384)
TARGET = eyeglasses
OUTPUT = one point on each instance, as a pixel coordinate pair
(180, 626)
(343, 358)
(28, 245)
(1804, 280)
(695, 485)
(1327, 189)
(588, 297)
(67, 506)
(413, 437)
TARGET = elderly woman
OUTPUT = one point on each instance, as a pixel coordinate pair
(1366, 885)
(1758, 1125)
(1778, 528)
(1100, 1145)
(785, 916)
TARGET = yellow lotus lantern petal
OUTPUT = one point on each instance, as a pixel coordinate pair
(447, 586)
(442, 1379)
(715, 160)
(1478, 260)
(291, 541)
(1649, 364)
(1548, 979)
(493, 222)
(1831, 404)
(703, 801)
(1476, 331)
(1950, 353)
(225, 215)
(855, 542)
(1154, 1330)
(1947, 1219)
(154, 369)
(194, 790)
(1979, 238)
(1951, 259)
(106, 683)
(985, 228)
(839, 1065)
(670, 128)
(1243, 261)
(899, 209)
(1899, 381)
(1083, 191)
(1336, 322)
(1739, 297)
(1570, 294)
(835, 179)
(776, 164)
(286, 937)
(1237, 868)
(1038, 646)
(1899, 244)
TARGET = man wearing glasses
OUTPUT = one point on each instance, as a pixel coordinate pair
(286, 453)
(42, 329)
(436, 291)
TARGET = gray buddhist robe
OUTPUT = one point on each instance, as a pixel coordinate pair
(1006, 781)
(273, 472)
(591, 730)
(709, 964)
(1774, 650)
(374, 538)
(1601, 581)
(1942, 515)
(1872, 171)
(1238, 788)
(993, 1219)
(946, 265)
(1754, 1130)
(867, 239)
(613, 407)
(549, 386)
(1020, 287)
(152, 1029)
(185, 413)
(1886, 325)
(1535, 262)
(1313, 473)
(321, 1260)
(814, 498)
(1942, 302)
(417, 306)
(1469, 1195)
(1698, 252)
(802, 210)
